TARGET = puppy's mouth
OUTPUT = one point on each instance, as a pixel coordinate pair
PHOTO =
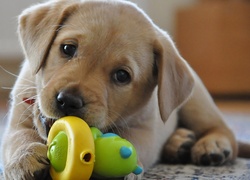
(47, 123)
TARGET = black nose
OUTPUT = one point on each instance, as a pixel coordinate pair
(69, 102)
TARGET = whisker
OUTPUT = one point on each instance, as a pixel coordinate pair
(25, 85)
(8, 72)
(33, 97)
(27, 113)
(15, 75)
(24, 116)
(25, 91)
(7, 88)
(114, 127)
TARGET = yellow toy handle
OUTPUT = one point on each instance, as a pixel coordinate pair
(80, 150)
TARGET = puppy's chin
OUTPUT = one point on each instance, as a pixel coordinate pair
(41, 123)
(46, 124)
(94, 116)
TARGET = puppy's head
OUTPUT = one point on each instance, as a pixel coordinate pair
(101, 61)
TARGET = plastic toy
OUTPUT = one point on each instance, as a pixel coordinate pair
(114, 156)
(71, 149)
(77, 152)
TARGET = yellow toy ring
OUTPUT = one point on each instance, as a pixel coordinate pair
(80, 149)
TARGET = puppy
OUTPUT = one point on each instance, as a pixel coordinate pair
(109, 64)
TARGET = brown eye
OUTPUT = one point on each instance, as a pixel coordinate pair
(121, 77)
(68, 50)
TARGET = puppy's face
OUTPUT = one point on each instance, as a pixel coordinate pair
(100, 60)
(100, 67)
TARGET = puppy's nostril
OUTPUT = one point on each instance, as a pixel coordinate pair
(69, 102)
(60, 100)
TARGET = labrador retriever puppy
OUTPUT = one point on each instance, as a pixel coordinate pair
(106, 62)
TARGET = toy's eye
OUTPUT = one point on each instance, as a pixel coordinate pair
(125, 152)
(121, 76)
(68, 50)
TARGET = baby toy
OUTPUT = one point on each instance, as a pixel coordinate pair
(114, 156)
(77, 152)
(71, 149)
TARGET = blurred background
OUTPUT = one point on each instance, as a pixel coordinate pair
(212, 35)
(161, 11)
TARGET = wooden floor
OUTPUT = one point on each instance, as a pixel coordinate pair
(239, 106)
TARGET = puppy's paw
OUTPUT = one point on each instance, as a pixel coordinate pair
(212, 149)
(28, 163)
(178, 147)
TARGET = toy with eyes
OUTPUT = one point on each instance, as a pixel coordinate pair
(77, 152)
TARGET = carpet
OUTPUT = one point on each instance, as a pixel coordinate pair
(239, 170)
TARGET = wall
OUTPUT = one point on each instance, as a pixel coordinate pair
(9, 11)
(161, 11)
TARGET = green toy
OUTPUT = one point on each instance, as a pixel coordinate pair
(77, 152)
(115, 156)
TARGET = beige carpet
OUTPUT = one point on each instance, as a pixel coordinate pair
(240, 170)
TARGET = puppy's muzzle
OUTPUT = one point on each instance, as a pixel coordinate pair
(68, 103)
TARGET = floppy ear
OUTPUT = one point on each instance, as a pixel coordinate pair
(38, 26)
(175, 81)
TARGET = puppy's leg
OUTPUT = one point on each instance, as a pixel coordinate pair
(216, 143)
(26, 157)
(23, 150)
(214, 148)
(178, 147)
